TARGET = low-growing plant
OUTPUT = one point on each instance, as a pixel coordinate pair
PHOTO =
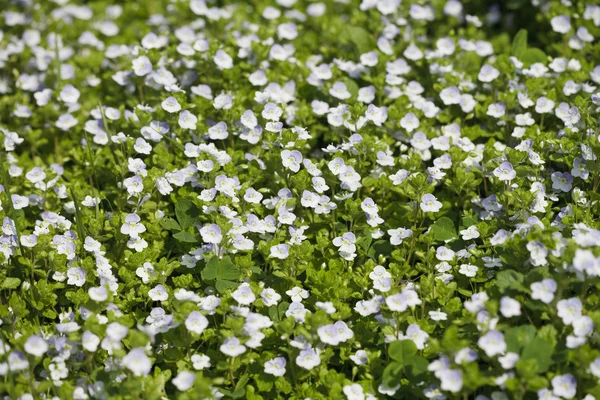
(292, 199)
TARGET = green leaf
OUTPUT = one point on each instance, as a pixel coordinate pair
(10, 283)
(380, 247)
(443, 229)
(469, 221)
(451, 340)
(593, 165)
(364, 241)
(210, 272)
(185, 237)
(187, 213)
(510, 279)
(528, 55)
(220, 269)
(402, 350)
(548, 333)
(170, 224)
(540, 350)
(224, 285)
(277, 313)
(242, 382)
(417, 366)
(273, 314)
(352, 86)
(392, 374)
(236, 394)
(19, 307)
(519, 44)
(518, 337)
(534, 55)
(361, 38)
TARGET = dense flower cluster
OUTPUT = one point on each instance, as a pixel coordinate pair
(293, 199)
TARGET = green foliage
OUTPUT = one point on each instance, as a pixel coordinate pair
(443, 229)
(299, 200)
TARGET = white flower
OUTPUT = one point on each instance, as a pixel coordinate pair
(438, 315)
(69, 94)
(211, 234)
(564, 386)
(492, 343)
(35, 175)
(388, 391)
(470, 233)
(270, 297)
(450, 95)
(546, 394)
(334, 334)
(200, 361)
(468, 270)
(562, 181)
(544, 105)
(595, 367)
(569, 310)
(488, 73)
(158, 293)
(76, 276)
(171, 105)
(354, 392)
(417, 335)
(291, 159)
(451, 380)
(187, 120)
(583, 326)
(243, 294)
(360, 357)
(297, 294)
(184, 380)
(275, 366)
(509, 360)
(339, 91)
(308, 359)
(19, 202)
(98, 293)
(430, 204)
(280, 251)
(89, 341)
(137, 362)
(297, 311)
(346, 242)
(561, 24)
(141, 66)
(326, 306)
(223, 60)
(397, 302)
(196, 322)
(444, 254)
(218, 131)
(509, 307)
(505, 172)
(544, 290)
(410, 122)
(398, 235)
(231, 347)
(36, 345)
(132, 226)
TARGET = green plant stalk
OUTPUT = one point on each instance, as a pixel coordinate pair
(113, 153)
(11, 207)
(94, 177)
(80, 229)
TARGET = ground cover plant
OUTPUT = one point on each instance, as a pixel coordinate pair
(291, 199)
